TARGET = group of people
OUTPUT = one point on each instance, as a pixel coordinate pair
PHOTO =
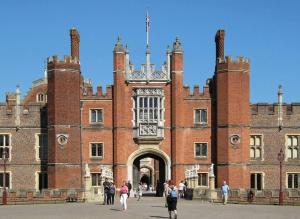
(171, 193)
(109, 192)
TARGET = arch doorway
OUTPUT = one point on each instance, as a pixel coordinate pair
(151, 167)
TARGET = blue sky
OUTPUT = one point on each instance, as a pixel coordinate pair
(266, 32)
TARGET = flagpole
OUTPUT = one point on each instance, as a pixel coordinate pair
(147, 27)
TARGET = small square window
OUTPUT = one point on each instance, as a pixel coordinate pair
(201, 150)
(293, 180)
(256, 181)
(97, 150)
(202, 179)
(96, 115)
(200, 116)
(96, 179)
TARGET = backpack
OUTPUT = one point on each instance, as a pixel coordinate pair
(112, 190)
(173, 193)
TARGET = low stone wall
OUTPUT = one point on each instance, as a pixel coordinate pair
(291, 197)
(44, 196)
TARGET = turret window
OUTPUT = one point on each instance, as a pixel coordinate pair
(41, 98)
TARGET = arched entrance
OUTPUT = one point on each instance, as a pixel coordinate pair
(156, 161)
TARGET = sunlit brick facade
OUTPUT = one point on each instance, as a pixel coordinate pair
(63, 130)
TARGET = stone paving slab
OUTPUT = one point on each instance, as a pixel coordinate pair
(149, 207)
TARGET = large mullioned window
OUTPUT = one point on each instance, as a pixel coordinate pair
(148, 108)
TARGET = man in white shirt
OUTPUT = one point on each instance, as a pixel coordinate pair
(181, 188)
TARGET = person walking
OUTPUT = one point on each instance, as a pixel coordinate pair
(106, 185)
(172, 199)
(225, 191)
(139, 191)
(123, 196)
(129, 186)
(181, 190)
(112, 192)
(166, 187)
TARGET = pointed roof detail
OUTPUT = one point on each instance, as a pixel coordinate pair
(177, 45)
(119, 46)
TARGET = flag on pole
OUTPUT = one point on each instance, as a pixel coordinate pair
(147, 22)
(147, 27)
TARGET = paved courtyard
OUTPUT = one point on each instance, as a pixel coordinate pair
(149, 207)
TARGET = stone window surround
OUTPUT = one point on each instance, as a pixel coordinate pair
(92, 179)
(90, 115)
(36, 174)
(90, 150)
(286, 146)
(10, 146)
(286, 179)
(262, 180)
(38, 97)
(10, 178)
(200, 157)
(261, 146)
(207, 179)
(37, 146)
(194, 116)
(135, 97)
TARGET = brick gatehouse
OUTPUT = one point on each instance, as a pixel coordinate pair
(147, 122)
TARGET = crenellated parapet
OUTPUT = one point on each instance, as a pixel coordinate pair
(197, 93)
(266, 109)
(229, 64)
(65, 64)
(88, 93)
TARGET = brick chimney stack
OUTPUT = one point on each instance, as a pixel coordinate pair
(219, 39)
(75, 39)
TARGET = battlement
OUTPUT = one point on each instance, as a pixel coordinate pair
(272, 109)
(238, 60)
(88, 93)
(196, 92)
(65, 60)
(229, 64)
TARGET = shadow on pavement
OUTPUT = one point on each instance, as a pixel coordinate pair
(115, 209)
(158, 217)
(158, 206)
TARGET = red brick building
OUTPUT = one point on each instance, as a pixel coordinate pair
(63, 131)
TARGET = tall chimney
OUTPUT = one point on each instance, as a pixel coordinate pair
(219, 39)
(280, 119)
(75, 39)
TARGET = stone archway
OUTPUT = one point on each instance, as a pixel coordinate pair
(152, 152)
